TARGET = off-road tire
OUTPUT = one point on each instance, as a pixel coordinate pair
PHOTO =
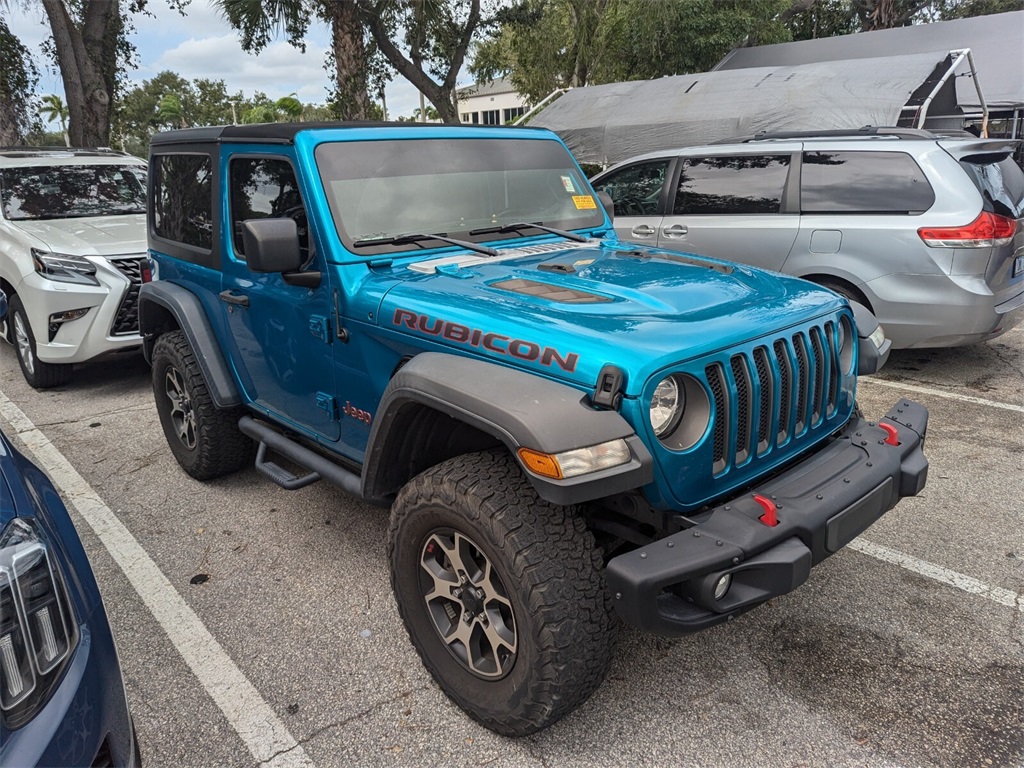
(552, 574)
(211, 445)
(38, 374)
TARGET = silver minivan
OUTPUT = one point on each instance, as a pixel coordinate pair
(926, 231)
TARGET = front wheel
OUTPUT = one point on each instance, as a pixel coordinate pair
(203, 438)
(502, 593)
(38, 374)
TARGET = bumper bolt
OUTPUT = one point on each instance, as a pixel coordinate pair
(643, 555)
(618, 595)
(671, 544)
(820, 497)
(718, 543)
(696, 534)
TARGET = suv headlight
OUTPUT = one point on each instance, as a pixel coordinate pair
(64, 268)
(666, 406)
(37, 629)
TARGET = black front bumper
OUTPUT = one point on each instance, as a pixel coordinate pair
(822, 503)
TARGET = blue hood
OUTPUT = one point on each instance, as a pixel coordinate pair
(582, 307)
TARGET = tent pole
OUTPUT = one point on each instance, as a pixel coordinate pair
(961, 54)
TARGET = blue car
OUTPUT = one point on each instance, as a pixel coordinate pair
(62, 699)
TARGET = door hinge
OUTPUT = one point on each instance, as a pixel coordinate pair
(320, 327)
(329, 404)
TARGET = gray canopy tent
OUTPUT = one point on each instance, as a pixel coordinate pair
(997, 43)
(607, 123)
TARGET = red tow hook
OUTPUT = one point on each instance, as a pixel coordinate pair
(769, 518)
(893, 436)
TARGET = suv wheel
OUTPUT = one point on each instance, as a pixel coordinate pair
(37, 373)
(203, 438)
(502, 593)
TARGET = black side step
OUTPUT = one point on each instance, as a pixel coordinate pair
(319, 467)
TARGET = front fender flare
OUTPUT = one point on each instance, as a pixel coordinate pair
(160, 298)
(520, 409)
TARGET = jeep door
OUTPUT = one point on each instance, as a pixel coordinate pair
(735, 207)
(281, 330)
(640, 194)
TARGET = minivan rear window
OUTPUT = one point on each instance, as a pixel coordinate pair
(1000, 182)
(863, 182)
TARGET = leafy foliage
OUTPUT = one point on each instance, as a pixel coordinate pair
(18, 77)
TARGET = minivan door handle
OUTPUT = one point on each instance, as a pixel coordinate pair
(231, 298)
(675, 230)
(642, 230)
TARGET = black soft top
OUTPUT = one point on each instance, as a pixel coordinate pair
(284, 133)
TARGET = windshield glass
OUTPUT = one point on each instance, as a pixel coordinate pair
(71, 191)
(381, 189)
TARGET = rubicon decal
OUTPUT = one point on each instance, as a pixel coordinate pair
(493, 342)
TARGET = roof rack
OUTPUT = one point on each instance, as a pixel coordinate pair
(867, 130)
(57, 148)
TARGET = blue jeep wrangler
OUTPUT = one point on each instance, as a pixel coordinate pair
(565, 427)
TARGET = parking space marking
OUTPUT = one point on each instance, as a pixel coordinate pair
(939, 393)
(938, 573)
(249, 714)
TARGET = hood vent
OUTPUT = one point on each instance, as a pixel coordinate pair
(556, 293)
(472, 259)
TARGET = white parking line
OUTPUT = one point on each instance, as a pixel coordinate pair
(939, 393)
(938, 573)
(249, 714)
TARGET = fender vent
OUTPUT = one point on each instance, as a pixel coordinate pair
(556, 293)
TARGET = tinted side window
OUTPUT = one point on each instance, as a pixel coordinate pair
(261, 188)
(636, 190)
(1001, 183)
(183, 199)
(863, 182)
(746, 184)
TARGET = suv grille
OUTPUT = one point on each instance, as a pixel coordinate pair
(126, 321)
(777, 391)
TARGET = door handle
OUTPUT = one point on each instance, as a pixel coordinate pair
(642, 230)
(230, 298)
(676, 230)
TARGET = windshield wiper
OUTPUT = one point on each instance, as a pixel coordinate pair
(518, 225)
(419, 237)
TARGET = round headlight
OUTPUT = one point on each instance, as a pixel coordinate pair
(666, 407)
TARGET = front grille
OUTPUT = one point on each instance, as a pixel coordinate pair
(126, 321)
(771, 394)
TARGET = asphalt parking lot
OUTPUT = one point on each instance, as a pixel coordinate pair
(257, 625)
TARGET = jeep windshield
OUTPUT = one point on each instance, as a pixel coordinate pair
(465, 188)
(72, 191)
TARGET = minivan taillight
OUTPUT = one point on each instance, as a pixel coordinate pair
(987, 230)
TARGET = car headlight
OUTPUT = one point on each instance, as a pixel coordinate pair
(64, 268)
(37, 629)
(666, 406)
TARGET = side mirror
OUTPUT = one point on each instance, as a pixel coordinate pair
(3, 305)
(271, 245)
(608, 203)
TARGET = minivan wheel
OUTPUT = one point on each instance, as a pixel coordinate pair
(845, 290)
(203, 438)
(38, 374)
(502, 593)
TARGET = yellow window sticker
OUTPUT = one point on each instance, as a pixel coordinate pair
(583, 202)
(567, 183)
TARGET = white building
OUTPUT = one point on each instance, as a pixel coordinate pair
(494, 103)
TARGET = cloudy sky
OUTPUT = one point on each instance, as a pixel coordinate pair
(202, 44)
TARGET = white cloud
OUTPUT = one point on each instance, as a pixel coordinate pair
(278, 70)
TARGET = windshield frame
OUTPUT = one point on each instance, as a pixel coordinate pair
(367, 161)
(14, 176)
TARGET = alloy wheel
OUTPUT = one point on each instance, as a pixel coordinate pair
(24, 343)
(182, 414)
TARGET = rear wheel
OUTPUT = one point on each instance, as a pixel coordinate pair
(37, 373)
(845, 290)
(502, 593)
(203, 438)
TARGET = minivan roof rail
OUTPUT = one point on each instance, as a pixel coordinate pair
(867, 130)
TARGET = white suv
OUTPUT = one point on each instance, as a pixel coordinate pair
(72, 255)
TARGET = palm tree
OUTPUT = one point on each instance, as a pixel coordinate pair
(290, 106)
(53, 108)
(169, 111)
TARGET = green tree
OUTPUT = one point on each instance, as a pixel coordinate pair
(258, 21)
(18, 77)
(547, 44)
(53, 108)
